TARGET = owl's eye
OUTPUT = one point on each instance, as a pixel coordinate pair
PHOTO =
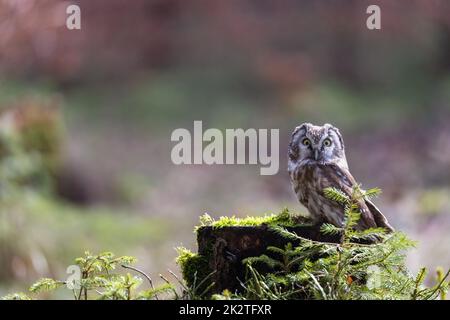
(306, 142)
(327, 142)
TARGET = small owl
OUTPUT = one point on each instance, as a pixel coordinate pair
(317, 161)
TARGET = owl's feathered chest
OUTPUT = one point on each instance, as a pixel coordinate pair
(305, 181)
(309, 181)
(318, 176)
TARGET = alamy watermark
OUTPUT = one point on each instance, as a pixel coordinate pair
(73, 19)
(234, 146)
(73, 281)
(373, 22)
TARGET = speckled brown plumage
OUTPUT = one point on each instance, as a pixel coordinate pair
(317, 161)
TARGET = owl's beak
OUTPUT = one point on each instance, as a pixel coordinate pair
(316, 154)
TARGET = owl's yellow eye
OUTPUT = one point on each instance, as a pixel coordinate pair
(306, 142)
(327, 142)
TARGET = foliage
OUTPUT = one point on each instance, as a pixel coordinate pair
(46, 284)
(352, 214)
(32, 131)
(19, 167)
(99, 280)
(284, 218)
(350, 269)
(367, 264)
(196, 272)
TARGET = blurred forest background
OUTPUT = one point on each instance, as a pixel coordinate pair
(86, 119)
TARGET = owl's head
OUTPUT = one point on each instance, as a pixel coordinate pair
(317, 144)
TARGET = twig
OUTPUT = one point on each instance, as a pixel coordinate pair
(178, 279)
(332, 244)
(317, 284)
(438, 287)
(164, 278)
(144, 274)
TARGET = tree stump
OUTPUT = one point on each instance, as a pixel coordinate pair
(224, 249)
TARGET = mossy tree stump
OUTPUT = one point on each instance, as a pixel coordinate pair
(223, 249)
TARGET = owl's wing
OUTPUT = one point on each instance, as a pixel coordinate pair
(341, 178)
(379, 218)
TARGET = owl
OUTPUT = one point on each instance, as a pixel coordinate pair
(316, 161)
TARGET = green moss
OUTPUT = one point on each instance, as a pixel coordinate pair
(284, 218)
(195, 270)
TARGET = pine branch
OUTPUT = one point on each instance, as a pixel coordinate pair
(336, 195)
(330, 229)
(372, 193)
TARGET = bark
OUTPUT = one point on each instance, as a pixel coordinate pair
(226, 247)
